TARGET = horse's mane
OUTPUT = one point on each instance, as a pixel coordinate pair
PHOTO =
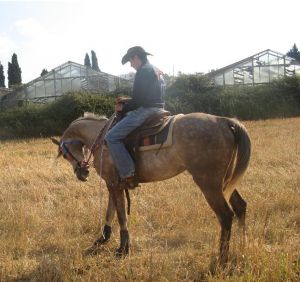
(89, 116)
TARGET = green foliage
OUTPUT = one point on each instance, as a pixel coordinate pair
(123, 90)
(191, 93)
(187, 93)
(194, 93)
(14, 72)
(52, 119)
(2, 77)
(278, 100)
(188, 83)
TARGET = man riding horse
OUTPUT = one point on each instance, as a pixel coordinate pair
(147, 99)
(214, 150)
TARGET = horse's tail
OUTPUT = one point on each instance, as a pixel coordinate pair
(241, 155)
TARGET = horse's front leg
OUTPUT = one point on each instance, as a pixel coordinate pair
(110, 214)
(118, 196)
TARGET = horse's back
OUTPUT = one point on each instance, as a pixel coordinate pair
(206, 129)
(204, 141)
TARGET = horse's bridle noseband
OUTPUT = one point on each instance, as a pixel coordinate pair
(67, 154)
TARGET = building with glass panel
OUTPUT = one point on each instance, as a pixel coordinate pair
(257, 69)
(64, 78)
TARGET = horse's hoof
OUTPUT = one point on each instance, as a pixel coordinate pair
(95, 248)
(92, 251)
(121, 253)
(100, 241)
(213, 266)
(104, 238)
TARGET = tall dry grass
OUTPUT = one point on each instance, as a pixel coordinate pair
(48, 219)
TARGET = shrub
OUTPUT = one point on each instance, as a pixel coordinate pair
(52, 119)
(187, 93)
(279, 99)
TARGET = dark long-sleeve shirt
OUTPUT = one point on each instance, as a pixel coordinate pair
(148, 89)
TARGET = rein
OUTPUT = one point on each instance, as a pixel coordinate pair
(100, 137)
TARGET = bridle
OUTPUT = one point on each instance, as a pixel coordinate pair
(67, 154)
(84, 164)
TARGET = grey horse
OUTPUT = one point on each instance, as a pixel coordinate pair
(214, 150)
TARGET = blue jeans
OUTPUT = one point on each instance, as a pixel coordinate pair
(114, 139)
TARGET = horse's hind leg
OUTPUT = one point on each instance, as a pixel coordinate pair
(215, 198)
(239, 206)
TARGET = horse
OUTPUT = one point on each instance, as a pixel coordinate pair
(215, 150)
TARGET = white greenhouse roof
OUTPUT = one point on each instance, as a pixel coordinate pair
(67, 77)
(262, 67)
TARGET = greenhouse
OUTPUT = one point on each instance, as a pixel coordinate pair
(257, 69)
(64, 78)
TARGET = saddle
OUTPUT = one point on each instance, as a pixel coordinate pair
(152, 126)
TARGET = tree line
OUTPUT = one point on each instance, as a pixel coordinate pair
(14, 72)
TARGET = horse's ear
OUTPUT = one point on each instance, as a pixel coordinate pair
(59, 154)
(55, 141)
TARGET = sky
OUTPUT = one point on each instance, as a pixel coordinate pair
(188, 36)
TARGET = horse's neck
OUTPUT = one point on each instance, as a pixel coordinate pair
(90, 130)
(96, 131)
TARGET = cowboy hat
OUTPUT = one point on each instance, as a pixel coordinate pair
(136, 50)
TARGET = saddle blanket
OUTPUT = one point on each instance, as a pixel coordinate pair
(162, 139)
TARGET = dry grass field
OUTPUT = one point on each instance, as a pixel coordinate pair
(48, 219)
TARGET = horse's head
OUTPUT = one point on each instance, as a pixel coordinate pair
(73, 151)
(79, 137)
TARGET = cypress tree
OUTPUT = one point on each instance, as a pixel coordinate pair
(44, 71)
(94, 61)
(14, 72)
(294, 53)
(87, 61)
(10, 75)
(2, 77)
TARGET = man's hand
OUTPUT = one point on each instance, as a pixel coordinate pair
(121, 100)
(119, 103)
(119, 107)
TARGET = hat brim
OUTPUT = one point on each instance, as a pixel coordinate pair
(127, 57)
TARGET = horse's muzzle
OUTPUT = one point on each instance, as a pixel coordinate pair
(82, 172)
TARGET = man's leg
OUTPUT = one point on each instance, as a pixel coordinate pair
(117, 134)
